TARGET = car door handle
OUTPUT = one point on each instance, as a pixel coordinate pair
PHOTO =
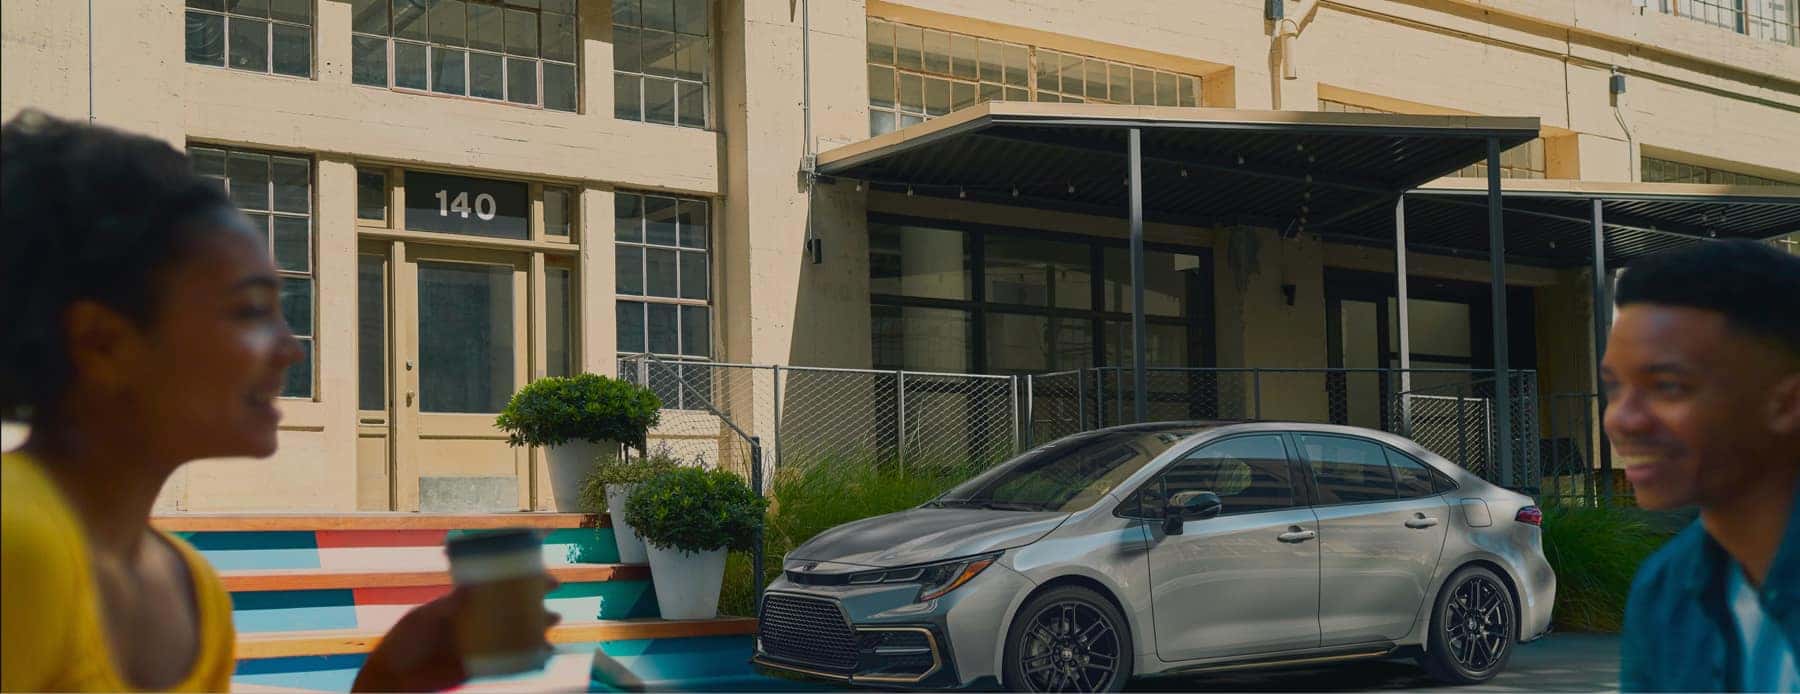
(1295, 534)
(1421, 521)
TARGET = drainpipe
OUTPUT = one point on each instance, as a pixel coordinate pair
(90, 70)
(1616, 85)
(1287, 31)
(809, 159)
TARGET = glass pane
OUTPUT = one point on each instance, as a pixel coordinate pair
(293, 191)
(962, 94)
(1411, 478)
(1347, 470)
(449, 23)
(297, 304)
(215, 5)
(1118, 78)
(628, 270)
(937, 96)
(296, 11)
(659, 14)
(249, 44)
(1143, 87)
(447, 75)
(659, 220)
(485, 78)
(1047, 64)
(1017, 94)
(912, 93)
(1071, 72)
(255, 8)
(521, 33)
(1017, 68)
(1168, 344)
(1035, 272)
(937, 52)
(556, 211)
(924, 339)
(1249, 474)
(626, 13)
(991, 92)
(691, 56)
(409, 20)
(630, 319)
(559, 87)
(208, 162)
(1166, 281)
(627, 97)
(371, 332)
(559, 322)
(693, 222)
(368, 60)
(521, 80)
(1094, 79)
(690, 17)
(881, 87)
(250, 180)
(465, 337)
(298, 383)
(369, 16)
(659, 273)
(559, 37)
(962, 57)
(1190, 92)
(487, 27)
(991, 60)
(694, 278)
(907, 120)
(557, 6)
(626, 50)
(293, 244)
(918, 262)
(205, 38)
(410, 65)
(696, 331)
(908, 42)
(881, 42)
(1439, 328)
(1165, 89)
(628, 218)
(371, 195)
(1017, 343)
(691, 106)
(659, 101)
(658, 53)
(880, 122)
(660, 324)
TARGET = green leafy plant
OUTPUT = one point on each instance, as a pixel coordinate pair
(696, 510)
(624, 470)
(585, 407)
(1595, 552)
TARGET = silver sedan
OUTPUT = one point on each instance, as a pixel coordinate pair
(1166, 549)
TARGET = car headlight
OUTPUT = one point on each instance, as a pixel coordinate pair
(934, 580)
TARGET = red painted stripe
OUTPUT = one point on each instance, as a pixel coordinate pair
(345, 539)
(404, 595)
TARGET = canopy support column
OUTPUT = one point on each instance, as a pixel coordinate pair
(1140, 404)
(1401, 302)
(1602, 319)
(1503, 401)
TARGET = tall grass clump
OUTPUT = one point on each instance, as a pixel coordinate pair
(1595, 552)
(806, 500)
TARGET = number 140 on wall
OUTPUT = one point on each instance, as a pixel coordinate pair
(485, 206)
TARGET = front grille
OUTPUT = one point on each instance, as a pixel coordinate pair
(817, 579)
(807, 631)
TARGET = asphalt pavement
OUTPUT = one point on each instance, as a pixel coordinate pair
(1555, 663)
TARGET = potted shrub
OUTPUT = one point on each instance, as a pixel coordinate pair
(689, 519)
(579, 420)
(612, 482)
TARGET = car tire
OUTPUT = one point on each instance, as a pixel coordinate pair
(1473, 628)
(1066, 634)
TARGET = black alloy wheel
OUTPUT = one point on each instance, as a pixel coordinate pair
(1473, 628)
(1069, 639)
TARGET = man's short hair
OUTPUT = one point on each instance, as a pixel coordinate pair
(1755, 286)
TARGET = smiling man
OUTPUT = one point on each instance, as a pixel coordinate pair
(1702, 377)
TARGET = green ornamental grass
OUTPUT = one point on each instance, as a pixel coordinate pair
(1595, 552)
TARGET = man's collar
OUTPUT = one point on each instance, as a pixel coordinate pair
(1712, 558)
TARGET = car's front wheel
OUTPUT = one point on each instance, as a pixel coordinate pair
(1473, 627)
(1068, 639)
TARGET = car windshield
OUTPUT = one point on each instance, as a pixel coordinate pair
(1067, 475)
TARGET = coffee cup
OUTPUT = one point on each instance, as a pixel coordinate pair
(501, 626)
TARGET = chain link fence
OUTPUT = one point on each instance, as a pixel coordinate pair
(1572, 454)
(1460, 421)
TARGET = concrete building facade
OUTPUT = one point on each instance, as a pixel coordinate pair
(463, 195)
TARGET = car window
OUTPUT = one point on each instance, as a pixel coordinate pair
(1411, 477)
(1067, 475)
(1249, 473)
(1348, 470)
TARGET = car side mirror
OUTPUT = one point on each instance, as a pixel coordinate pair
(1187, 506)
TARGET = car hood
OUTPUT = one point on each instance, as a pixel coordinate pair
(923, 535)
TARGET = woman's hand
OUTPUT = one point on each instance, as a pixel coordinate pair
(420, 653)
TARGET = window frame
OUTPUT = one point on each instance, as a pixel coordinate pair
(645, 299)
(1441, 483)
(226, 15)
(1317, 489)
(709, 68)
(390, 41)
(1132, 505)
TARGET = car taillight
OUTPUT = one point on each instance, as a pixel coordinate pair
(1530, 515)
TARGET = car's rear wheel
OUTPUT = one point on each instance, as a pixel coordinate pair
(1068, 639)
(1473, 628)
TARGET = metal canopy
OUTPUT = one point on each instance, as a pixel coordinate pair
(1201, 166)
(1549, 223)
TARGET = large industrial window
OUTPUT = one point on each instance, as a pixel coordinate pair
(1769, 20)
(1666, 171)
(519, 51)
(663, 278)
(1524, 161)
(916, 74)
(275, 192)
(662, 61)
(269, 36)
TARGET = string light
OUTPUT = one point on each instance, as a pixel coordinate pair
(859, 186)
(1071, 187)
(909, 191)
(1015, 191)
(1240, 160)
(961, 193)
(1184, 173)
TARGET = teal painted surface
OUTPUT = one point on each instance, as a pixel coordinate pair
(618, 599)
(293, 610)
(256, 551)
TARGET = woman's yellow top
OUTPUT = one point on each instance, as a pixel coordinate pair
(52, 634)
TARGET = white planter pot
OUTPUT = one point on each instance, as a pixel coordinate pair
(687, 583)
(631, 547)
(570, 463)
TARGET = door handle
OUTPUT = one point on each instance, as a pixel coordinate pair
(1295, 534)
(1421, 521)
(409, 398)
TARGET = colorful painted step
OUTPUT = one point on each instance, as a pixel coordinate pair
(350, 641)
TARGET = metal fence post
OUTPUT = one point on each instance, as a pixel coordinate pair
(756, 478)
(1119, 398)
(1030, 408)
(1462, 433)
(1256, 390)
(777, 432)
(1080, 402)
(1014, 383)
(900, 419)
